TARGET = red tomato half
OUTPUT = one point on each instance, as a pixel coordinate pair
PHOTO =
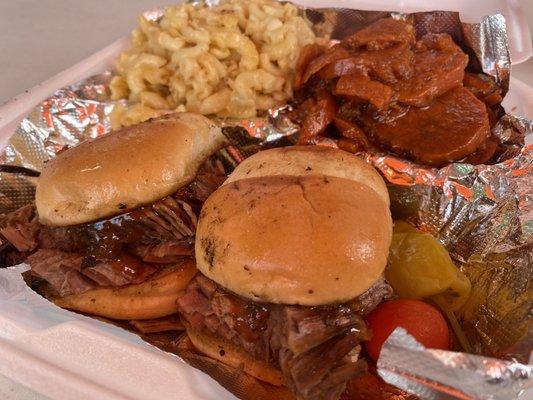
(421, 320)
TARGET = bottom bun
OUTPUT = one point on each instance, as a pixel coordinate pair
(153, 298)
(234, 356)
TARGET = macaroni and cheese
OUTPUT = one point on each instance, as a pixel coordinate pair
(231, 60)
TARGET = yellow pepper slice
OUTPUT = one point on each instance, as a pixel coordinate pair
(421, 268)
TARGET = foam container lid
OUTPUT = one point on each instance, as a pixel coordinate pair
(64, 355)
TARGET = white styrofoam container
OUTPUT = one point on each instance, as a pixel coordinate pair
(67, 356)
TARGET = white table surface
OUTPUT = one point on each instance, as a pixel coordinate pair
(39, 38)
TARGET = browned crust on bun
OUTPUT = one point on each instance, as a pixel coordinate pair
(310, 160)
(124, 169)
(310, 240)
(154, 298)
(234, 356)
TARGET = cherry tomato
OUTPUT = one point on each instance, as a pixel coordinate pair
(421, 320)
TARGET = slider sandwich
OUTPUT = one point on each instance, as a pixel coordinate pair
(112, 229)
(291, 250)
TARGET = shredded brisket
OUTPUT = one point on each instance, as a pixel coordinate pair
(61, 270)
(163, 253)
(121, 271)
(68, 274)
(205, 306)
(316, 348)
(21, 228)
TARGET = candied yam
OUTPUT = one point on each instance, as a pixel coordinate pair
(307, 54)
(361, 88)
(452, 127)
(334, 53)
(438, 67)
(318, 119)
(345, 66)
(484, 153)
(381, 34)
(484, 88)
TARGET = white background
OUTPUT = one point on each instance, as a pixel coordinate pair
(39, 38)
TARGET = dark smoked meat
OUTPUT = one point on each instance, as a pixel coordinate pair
(205, 306)
(304, 328)
(167, 220)
(166, 226)
(163, 253)
(376, 294)
(314, 345)
(123, 270)
(9, 255)
(21, 228)
(68, 274)
(316, 348)
(163, 232)
(322, 373)
(209, 177)
(452, 127)
(63, 238)
(61, 270)
(160, 234)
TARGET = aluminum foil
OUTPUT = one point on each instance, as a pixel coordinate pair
(433, 374)
(483, 214)
(66, 118)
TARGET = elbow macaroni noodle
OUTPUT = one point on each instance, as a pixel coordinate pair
(231, 60)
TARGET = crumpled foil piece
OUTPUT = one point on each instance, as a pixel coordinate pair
(433, 374)
(483, 214)
(71, 115)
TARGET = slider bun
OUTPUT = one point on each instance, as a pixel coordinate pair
(310, 160)
(234, 356)
(125, 169)
(311, 240)
(154, 298)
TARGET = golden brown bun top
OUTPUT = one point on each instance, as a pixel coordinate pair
(125, 169)
(311, 160)
(308, 240)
